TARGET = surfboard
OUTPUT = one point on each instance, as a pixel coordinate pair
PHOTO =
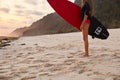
(72, 14)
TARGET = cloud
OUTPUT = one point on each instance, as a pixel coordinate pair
(4, 27)
(28, 13)
(6, 10)
(33, 2)
(37, 13)
(19, 7)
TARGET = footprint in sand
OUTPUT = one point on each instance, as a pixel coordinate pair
(117, 78)
(116, 55)
(48, 65)
(69, 61)
(70, 56)
(5, 77)
(81, 71)
(30, 77)
(44, 73)
(4, 71)
(19, 55)
(55, 69)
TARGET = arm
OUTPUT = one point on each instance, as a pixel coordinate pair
(83, 22)
(85, 13)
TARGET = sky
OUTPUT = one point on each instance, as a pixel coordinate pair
(20, 13)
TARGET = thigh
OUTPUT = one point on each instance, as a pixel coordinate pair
(85, 31)
(86, 27)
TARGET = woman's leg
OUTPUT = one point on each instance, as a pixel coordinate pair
(85, 39)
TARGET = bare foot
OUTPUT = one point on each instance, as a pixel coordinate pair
(86, 55)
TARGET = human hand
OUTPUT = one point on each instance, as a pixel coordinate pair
(81, 27)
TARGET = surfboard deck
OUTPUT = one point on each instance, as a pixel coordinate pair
(72, 14)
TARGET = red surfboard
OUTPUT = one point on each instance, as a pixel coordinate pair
(68, 10)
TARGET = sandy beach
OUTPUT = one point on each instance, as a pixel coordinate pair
(58, 57)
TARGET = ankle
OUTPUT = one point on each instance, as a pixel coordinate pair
(86, 54)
